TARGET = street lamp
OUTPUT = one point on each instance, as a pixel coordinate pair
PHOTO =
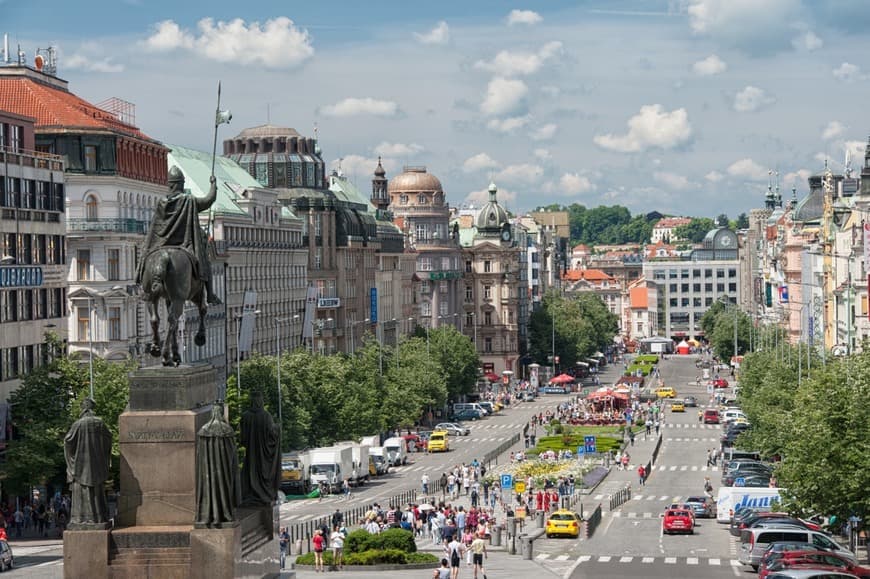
(91, 345)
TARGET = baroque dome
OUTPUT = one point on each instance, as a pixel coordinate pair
(492, 215)
(414, 180)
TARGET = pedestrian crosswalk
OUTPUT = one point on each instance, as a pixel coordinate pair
(692, 425)
(617, 559)
(642, 497)
(701, 439)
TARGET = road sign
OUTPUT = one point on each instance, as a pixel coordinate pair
(507, 481)
(581, 449)
(709, 388)
(520, 487)
(739, 482)
(589, 443)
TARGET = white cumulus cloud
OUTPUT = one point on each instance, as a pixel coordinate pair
(847, 72)
(438, 35)
(508, 63)
(503, 96)
(90, 64)
(525, 173)
(750, 25)
(361, 106)
(672, 180)
(481, 196)
(833, 130)
(544, 132)
(479, 162)
(574, 184)
(748, 169)
(543, 154)
(523, 17)
(709, 66)
(386, 149)
(808, 41)
(796, 179)
(278, 43)
(714, 176)
(651, 127)
(509, 124)
(751, 99)
(357, 166)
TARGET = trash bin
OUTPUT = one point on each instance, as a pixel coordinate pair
(495, 536)
(526, 546)
(539, 516)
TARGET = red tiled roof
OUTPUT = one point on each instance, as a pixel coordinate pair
(586, 274)
(671, 222)
(54, 108)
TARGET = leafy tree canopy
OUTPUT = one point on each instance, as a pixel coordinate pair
(695, 230)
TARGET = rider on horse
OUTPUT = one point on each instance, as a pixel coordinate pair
(176, 224)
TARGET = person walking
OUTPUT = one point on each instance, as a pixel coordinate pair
(318, 542)
(442, 572)
(455, 550)
(424, 482)
(336, 539)
(709, 457)
(478, 554)
(641, 474)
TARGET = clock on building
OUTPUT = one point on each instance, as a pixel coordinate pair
(506, 235)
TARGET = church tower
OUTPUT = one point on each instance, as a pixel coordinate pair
(380, 199)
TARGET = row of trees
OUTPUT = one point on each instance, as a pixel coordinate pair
(812, 413)
(577, 325)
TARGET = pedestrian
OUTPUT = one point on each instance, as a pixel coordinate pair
(648, 428)
(631, 436)
(284, 543)
(641, 474)
(709, 457)
(657, 426)
(318, 542)
(345, 488)
(478, 551)
(708, 487)
(424, 480)
(336, 539)
(442, 572)
(454, 551)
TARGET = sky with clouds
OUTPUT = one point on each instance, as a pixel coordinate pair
(680, 106)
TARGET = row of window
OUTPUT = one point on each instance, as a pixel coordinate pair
(660, 274)
(11, 137)
(19, 361)
(83, 325)
(34, 249)
(32, 304)
(31, 194)
(695, 302)
(267, 277)
(247, 236)
(696, 288)
(428, 263)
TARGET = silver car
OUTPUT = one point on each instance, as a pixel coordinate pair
(453, 428)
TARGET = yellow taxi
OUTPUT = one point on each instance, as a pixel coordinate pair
(666, 392)
(678, 406)
(438, 441)
(563, 523)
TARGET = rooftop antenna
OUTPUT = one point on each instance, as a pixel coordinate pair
(5, 48)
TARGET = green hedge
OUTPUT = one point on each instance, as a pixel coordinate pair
(646, 359)
(645, 369)
(572, 441)
(361, 540)
(372, 557)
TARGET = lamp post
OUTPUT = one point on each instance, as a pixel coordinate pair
(553, 345)
(91, 345)
(238, 318)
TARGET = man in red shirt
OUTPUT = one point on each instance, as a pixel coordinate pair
(641, 473)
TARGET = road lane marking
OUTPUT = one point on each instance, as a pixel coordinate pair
(691, 560)
(626, 559)
(542, 556)
(671, 560)
(715, 562)
(648, 560)
(583, 558)
(562, 558)
(604, 559)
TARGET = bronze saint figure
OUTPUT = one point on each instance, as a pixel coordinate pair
(262, 467)
(88, 451)
(217, 472)
(175, 265)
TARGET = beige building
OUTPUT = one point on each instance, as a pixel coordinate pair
(493, 286)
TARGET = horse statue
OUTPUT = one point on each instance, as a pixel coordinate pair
(176, 268)
(176, 264)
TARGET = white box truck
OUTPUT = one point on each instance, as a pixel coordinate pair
(730, 498)
(294, 473)
(360, 474)
(370, 441)
(396, 451)
(329, 466)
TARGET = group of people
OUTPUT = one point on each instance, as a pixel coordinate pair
(38, 519)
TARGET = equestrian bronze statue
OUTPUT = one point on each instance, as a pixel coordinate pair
(175, 266)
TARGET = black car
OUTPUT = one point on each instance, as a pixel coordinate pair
(702, 506)
(467, 414)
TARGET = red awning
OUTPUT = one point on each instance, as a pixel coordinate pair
(562, 379)
(492, 377)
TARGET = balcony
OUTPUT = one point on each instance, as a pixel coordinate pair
(107, 225)
(27, 158)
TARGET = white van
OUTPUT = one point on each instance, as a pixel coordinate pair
(396, 451)
(754, 542)
(460, 406)
(730, 415)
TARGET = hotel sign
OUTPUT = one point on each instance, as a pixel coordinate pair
(323, 303)
(20, 276)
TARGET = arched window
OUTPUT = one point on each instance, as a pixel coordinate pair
(91, 208)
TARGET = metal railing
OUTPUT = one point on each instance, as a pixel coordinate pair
(621, 496)
(492, 456)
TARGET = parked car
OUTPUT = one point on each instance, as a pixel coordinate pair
(703, 506)
(754, 542)
(563, 522)
(7, 561)
(528, 396)
(678, 521)
(453, 428)
(467, 414)
(813, 559)
(414, 441)
(775, 550)
(810, 574)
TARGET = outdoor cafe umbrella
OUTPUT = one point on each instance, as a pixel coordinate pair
(426, 507)
(491, 376)
(562, 379)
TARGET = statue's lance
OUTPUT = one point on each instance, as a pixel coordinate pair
(220, 117)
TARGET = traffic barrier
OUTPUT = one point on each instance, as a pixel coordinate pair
(592, 523)
(619, 497)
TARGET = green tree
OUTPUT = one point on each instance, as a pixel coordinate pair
(457, 359)
(695, 230)
(722, 220)
(742, 222)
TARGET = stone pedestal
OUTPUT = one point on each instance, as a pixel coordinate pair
(86, 554)
(214, 553)
(158, 444)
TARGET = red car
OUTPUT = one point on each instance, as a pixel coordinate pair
(814, 560)
(720, 383)
(678, 521)
(420, 442)
(711, 416)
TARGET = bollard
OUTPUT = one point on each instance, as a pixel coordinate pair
(526, 545)
(540, 519)
(512, 534)
(298, 547)
(495, 536)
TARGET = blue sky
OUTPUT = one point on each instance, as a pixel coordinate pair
(680, 106)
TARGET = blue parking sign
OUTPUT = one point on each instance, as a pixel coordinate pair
(507, 481)
(581, 449)
(589, 443)
(740, 481)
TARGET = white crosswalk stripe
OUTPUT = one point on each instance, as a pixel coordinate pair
(584, 558)
(671, 560)
(714, 562)
(562, 558)
(691, 561)
(617, 559)
(626, 559)
(604, 559)
(542, 556)
(647, 559)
